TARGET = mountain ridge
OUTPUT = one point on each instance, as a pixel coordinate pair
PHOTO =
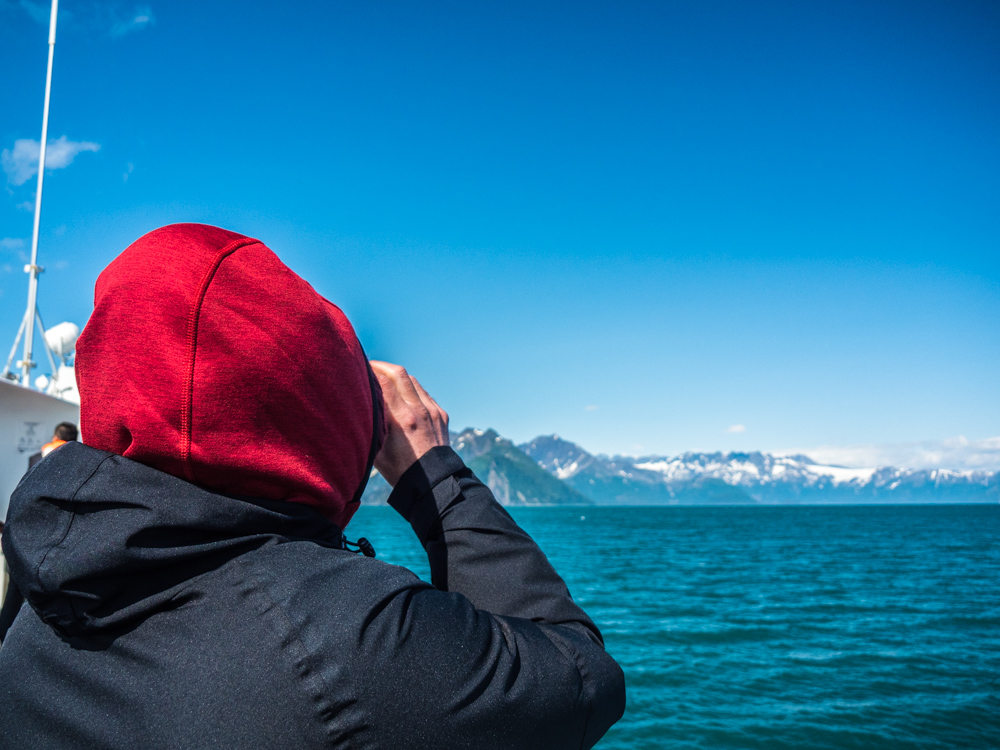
(514, 478)
(552, 471)
(763, 477)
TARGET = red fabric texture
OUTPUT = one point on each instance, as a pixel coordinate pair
(209, 359)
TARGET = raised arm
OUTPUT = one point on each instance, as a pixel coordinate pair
(514, 640)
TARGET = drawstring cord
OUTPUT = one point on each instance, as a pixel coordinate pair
(364, 547)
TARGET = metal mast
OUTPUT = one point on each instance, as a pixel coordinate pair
(30, 315)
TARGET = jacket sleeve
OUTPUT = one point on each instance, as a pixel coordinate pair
(502, 655)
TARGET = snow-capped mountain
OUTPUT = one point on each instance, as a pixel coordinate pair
(514, 478)
(553, 471)
(749, 477)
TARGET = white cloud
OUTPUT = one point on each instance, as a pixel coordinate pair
(94, 18)
(21, 162)
(592, 408)
(141, 18)
(26, 206)
(39, 12)
(958, 453)
(736, 428)
(11, 243)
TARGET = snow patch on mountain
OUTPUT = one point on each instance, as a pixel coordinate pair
(840, 475)
(763, 477)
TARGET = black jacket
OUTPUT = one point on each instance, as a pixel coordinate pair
(163, 615)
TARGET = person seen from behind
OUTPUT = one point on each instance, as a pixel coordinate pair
(189, 581)
(65, 432)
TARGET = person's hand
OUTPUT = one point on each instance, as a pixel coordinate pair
(414, 422)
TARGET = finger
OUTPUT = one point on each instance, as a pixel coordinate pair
(390, 393)
(404, 409)
(400, 379)
(438, 415)
(425, 397)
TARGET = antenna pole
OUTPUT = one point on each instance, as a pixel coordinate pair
(33, 269)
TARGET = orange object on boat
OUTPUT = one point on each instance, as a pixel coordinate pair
(49, 447)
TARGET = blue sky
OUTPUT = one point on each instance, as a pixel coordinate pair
(643, 226)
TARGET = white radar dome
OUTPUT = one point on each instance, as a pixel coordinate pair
(61, 338)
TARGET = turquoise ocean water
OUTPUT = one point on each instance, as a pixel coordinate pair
(781, 627)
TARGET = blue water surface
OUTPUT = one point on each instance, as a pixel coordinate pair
(781, 627)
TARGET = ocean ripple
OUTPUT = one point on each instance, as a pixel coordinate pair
(782, 627)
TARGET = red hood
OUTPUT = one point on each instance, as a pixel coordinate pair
(209, 359)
